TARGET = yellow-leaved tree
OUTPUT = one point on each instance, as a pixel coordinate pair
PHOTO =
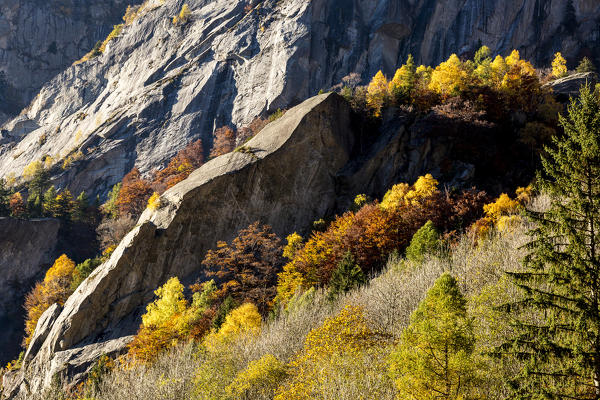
(559, 66)
(55, 288)
(340, 358)
(450, 78)
(377, 93)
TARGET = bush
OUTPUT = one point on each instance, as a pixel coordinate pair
(259, 380)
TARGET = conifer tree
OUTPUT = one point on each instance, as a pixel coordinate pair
(49, 204)
(434, 359)
(346, 277)
(4, 199)
(557, 323)
(586, 65)
(559, 66)
(425, 241)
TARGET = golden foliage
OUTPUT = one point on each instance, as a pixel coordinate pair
(55, 288)
(259, 380)
(450, 77)
(346, 334)
(559, 66)
(377, 93)
(294, 243)
(154, 201)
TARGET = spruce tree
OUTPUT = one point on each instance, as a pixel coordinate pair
(49, 204)
(4, 199)
(557, 322)
(347, 276)
(586, 65)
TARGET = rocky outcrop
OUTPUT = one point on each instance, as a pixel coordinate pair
(569, 86)
(160, 85)
(40, 38)
(309, 163)
(27, 248)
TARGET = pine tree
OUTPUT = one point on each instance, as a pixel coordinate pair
(402, 86)
(557, 323)
(82, 203)
(49, 204)
(586, 65)
(434, 359)
(4, 199)
(40, 180)
(570, 19)
(346, 277)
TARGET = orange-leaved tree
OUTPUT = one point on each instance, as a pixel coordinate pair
(134, 194)
(55, 288)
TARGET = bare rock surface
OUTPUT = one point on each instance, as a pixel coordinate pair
(40, 38)
(27, 248)
(159, 85)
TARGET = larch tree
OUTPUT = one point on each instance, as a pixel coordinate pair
(557, 324)
(559, 66)
(377, 93)
(434, 359)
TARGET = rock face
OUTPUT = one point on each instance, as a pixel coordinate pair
(306, 164)
(40, 38)
(27, 248)
(160, 85)
(569, 86)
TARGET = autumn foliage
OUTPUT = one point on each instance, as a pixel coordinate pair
(55, 288)
(376, 230)
(248, 266)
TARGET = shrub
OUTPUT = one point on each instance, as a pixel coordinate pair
(259, 380)
(154, 201)
(344, 335)
(183, 16)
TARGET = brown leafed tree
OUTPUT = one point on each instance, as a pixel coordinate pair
(180, 167)
(224, 142)
(17, 205)
(248, 266)
(134, 194)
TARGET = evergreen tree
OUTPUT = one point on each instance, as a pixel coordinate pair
(570, 20)
(434, 359)
(80, 209)
(425, 241)
(586, 65)
(226, 307)
(40, 180)
(347, 276)
(49, 204)
(34, 206)
(4, 199)
(557, 324)
(402, 86)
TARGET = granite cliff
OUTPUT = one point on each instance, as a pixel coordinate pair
(39, 39)
(159, 85)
